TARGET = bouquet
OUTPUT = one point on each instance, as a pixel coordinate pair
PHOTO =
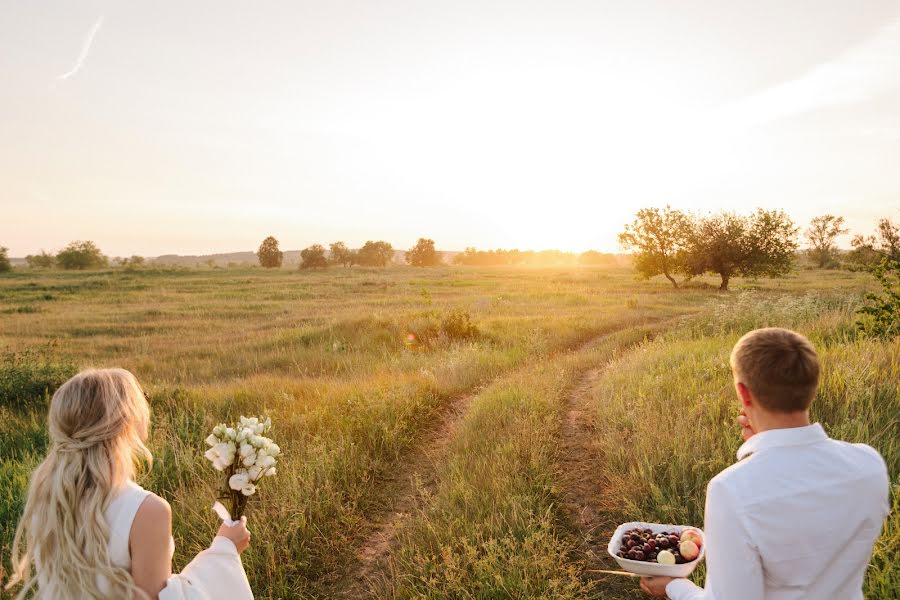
(244, 455)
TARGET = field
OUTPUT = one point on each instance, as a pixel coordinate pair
(449, 432)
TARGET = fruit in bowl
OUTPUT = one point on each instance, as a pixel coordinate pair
(654, 549)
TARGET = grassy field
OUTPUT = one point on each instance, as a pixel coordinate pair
(438, 394)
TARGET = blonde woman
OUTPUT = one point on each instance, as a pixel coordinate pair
(88, 530)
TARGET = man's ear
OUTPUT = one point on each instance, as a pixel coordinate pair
(744, 395)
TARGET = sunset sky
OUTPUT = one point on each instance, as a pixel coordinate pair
(198, 127)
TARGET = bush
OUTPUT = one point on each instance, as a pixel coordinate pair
(313, 257)
(29, 377)
(458, 326)
(881, 313)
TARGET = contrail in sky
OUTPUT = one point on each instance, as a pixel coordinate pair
(85, 49)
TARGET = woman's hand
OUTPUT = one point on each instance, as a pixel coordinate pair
(238, 534)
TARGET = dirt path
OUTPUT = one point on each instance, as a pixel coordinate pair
(413, 478)
(582, 491)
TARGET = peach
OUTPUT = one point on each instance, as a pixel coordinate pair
(692, 535)
(665, 558)
(689, 550)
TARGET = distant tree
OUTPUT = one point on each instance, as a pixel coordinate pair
(5, 265)
(423, 254)
(132, 262)
(313, 257)
(341, 254)
(80, 256)
(44, 260)
(270, 256)
(660, 237)
(821, 235)
(375, 254)
(869, 251)
(762, 244)
(592, 257)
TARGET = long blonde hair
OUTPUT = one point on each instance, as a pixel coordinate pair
(98, 424)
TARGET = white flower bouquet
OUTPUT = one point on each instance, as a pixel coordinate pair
(244, 455)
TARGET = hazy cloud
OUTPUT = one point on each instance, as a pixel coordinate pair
(85, 49)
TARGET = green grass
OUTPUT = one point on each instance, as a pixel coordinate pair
(324, 354)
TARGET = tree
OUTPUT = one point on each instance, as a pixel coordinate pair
(341, 254)
(592, 257)
(313, 257)
(43, 260)
(729, 244)
(375, 254)
(660, 237)
(821, 234)
(423, 254)
(133, 262)
(5, 265)
(80, 256)
(270, 256)
(869, 251)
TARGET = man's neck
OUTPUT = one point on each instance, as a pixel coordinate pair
(765, 421)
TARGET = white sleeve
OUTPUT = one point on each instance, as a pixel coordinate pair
(733, 568)
(213, 574)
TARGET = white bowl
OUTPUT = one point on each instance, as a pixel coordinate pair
(654, 569)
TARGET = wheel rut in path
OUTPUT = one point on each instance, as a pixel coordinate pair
(412, 479)
(582, 494)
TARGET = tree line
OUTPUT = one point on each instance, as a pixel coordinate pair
(671, 242)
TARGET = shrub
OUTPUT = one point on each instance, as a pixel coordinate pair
(29, 377)
(313, 257)
(881, 313)
(44, 260)
(458, 326)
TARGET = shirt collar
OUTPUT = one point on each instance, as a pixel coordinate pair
(774, 438)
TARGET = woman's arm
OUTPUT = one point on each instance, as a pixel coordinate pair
(150, 544)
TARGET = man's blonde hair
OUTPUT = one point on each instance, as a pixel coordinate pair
(780, 367)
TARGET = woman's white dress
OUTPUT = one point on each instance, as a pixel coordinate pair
(214, 574)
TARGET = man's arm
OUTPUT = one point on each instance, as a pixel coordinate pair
(734, 570)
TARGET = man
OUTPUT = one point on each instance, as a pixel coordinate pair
(799, 513)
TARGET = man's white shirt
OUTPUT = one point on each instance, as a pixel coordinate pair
(796, 517)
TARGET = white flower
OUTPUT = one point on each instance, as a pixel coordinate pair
(249, 460)
(242, 435)
(257, 441)
(246, 450)
(219, 430)
(230, 433)
(213, 456)
(238, 481)
(266, 462)
(273, 450)
(212, 440)
(270, 471)
(254, 472)
(225, 452)
(259, 428)
(248, 490)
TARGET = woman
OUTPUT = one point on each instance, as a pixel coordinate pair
(88, 529)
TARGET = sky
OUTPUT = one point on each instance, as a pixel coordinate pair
(205, 126)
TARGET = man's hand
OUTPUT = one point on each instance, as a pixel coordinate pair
(655, 586)
(747, 430)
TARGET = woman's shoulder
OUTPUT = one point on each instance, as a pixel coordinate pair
(153, 509)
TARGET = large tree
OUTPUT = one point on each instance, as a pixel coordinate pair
(375, 254)
(821, 235)
(660, 237)
(423, 254)
(341, 254)
(5, 265)
(80, 256)
(313, 257)
(269, 254)
(727, 244)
